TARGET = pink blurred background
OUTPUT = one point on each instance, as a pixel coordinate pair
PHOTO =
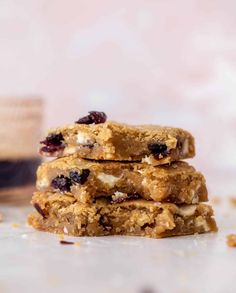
(166, 62)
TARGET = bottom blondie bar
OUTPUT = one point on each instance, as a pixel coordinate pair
(64, 215)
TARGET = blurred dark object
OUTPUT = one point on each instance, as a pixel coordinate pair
(17, 173)
(20, 131)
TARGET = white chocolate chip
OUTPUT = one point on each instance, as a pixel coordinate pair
(43, 183)
(157, 204)
(108, 179)
(152, 161)
(148, 160)
(119, 195)
(187, 211)
(84, 139)
(65, 230)
(69, 150)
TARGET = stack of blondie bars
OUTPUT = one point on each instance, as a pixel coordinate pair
(110, 178)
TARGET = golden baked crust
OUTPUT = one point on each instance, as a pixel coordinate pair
(64, 215)
(122, 142)
(176, 183)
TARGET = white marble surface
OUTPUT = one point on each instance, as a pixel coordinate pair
(32, 261)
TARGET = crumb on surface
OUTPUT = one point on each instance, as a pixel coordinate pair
(15, 225)
(231, 240)
(1, 217)
(232, 200)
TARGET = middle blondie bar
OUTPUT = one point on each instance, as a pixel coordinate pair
(86, 180)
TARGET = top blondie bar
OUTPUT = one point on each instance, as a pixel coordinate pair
(92, 137)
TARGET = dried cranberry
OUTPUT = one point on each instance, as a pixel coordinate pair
(94, 117)
(53, 139)
(40, 210)
(62, 183)
(53, 143)
(66, 242)
(157, 148)
(79, 178)
(51, 149)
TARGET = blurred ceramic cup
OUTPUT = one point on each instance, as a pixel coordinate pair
(20, 131)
